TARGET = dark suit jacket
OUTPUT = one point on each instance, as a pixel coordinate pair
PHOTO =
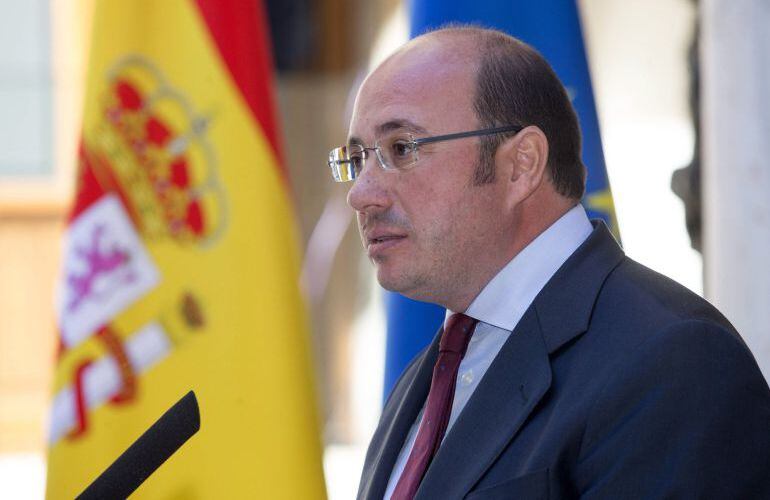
(617, 383)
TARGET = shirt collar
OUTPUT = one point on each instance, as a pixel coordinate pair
(507, 296)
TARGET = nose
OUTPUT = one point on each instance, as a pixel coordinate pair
(369, 193)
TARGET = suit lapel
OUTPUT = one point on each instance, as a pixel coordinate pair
(396, 421)
(513, 385)
(521, 373)
(565, 304)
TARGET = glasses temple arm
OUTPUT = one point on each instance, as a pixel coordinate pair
(460, 135)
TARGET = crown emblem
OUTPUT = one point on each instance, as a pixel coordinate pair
(151, 147)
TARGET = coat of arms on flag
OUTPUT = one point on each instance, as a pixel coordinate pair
(181, 267)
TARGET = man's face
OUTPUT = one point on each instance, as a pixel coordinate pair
(428, 230)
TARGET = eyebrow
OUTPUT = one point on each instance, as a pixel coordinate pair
(389, 126)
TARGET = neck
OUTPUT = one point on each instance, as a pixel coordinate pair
(523, 230)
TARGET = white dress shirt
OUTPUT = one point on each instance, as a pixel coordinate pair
(499, 307)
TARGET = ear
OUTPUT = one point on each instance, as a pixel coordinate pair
(523, 158)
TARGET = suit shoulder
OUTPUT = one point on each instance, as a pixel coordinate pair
(647, 298)
(685, 406)
(640, 315)
(691, 367)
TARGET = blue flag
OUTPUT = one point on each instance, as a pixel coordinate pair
(553, 28)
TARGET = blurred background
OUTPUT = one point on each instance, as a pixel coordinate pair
(680, 90)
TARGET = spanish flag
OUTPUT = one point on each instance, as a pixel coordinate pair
(181, 264)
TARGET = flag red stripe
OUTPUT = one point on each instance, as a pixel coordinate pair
(239, 29)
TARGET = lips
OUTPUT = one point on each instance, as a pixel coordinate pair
(378, 242)
(382, 239)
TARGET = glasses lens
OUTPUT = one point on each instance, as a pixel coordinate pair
(346, 163)
(398, 152)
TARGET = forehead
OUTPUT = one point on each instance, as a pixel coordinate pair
(428, 87)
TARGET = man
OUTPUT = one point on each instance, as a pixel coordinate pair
(574, 371)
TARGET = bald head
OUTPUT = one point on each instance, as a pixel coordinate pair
(510, 83)
(430, 60)
(436, 72)
(453, 45)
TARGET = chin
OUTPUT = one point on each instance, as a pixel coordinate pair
(406, 285)
(388, 283)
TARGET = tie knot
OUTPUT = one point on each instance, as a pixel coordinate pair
(457, 333)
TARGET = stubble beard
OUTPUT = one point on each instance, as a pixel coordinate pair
(403, 281)
(414, 277)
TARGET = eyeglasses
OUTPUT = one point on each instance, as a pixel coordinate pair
(396, 152)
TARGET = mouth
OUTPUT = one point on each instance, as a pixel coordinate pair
(377, 244)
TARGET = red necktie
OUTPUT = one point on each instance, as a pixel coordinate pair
(452, 347)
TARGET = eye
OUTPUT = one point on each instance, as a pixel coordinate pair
(402, 149)
(357, 158)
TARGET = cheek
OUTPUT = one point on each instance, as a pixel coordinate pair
(444, 227)
(471, 221)
(436, 201)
